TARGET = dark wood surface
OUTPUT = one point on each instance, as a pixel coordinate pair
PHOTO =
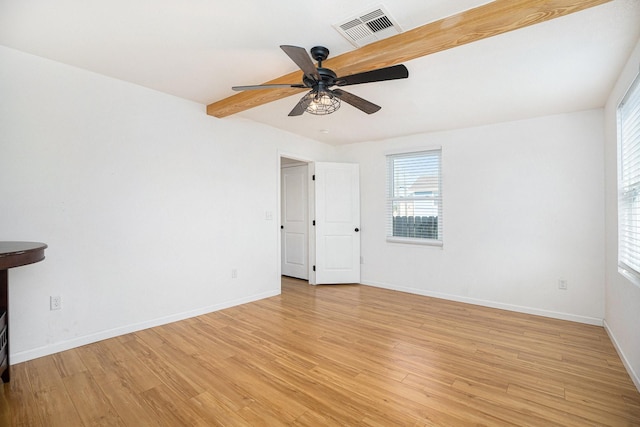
(4, 309)
(14, 254)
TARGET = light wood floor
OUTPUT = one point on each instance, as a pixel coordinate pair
(334, 355)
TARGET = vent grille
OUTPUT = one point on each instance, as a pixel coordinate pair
(372, 15)
(380, 24)
(368, 27)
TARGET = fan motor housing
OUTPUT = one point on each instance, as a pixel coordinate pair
(327, 77)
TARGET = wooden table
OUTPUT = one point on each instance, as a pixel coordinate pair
(12, 254)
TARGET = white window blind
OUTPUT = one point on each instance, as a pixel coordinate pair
(414, 197)
(629, 181)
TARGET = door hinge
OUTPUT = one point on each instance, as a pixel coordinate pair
(313, 178)
(314, 222)
(314, 268)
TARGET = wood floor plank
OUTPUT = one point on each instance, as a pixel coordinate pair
(150, 337)
(49, 399)
(170, 407)
(266, 388)
(68, 363)
(98, 359)
(127, 402)
(576, 414)
(221, 384)
(5, 408)
(313, 419)
(17, 394)
(167, 364)
(215, 412)
(334, 356)
(90, 402)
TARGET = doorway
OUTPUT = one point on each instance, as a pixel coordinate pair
(294, 217)
(319, 221)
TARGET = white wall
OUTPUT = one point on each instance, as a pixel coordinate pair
(622, 312)
(523, 207)
(146, 203)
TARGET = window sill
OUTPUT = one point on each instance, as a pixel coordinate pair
(630, 276)
(411, 241)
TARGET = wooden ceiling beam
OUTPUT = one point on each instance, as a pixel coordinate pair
(497, 17)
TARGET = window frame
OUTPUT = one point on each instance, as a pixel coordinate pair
(629, 188)
(390, 198)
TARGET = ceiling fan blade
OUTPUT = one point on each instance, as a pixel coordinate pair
(302, 59)
(254, 87)
(381, 74)
(300, 107)
(356, 101)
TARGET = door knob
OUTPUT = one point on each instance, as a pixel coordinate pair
(357, 229)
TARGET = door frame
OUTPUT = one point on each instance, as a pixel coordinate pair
(310, 212)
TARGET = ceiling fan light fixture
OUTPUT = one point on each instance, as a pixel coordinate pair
(321, 102)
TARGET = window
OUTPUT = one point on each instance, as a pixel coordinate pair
(414, 197)
(629, 183)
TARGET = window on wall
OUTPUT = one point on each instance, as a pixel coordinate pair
(414, 197)
(629, 183)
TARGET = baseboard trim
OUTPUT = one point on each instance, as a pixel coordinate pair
(634, 376)
(35, 353)
(492, 304)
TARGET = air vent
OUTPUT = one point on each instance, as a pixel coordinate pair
(368, 27)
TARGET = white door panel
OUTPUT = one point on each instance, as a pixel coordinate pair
(337, 205)
(294, 252)
(338, 250)
(294, 215)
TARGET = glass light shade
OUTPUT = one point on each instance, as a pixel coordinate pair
(321, 102)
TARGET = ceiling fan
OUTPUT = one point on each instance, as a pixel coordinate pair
(321, 99)
(488, 20)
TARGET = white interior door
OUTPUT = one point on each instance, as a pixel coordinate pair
(294, 214)
(337, 237)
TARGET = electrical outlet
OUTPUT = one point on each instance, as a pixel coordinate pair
(55, 302)
(562, 284)
(234, 273)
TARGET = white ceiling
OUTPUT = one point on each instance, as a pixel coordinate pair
(198, 49)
